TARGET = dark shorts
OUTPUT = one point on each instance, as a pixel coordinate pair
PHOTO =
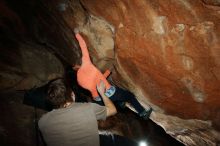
(122, 95)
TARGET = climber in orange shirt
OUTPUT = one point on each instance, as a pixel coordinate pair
(88, 76)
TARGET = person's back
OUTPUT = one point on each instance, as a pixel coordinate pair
(70, 123)
(75, 125)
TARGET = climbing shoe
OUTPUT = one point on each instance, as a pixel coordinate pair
(146, 114)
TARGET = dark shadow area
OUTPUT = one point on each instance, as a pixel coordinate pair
(135, 128)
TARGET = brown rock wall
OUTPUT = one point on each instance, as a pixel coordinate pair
(166, 52)
(169, 50)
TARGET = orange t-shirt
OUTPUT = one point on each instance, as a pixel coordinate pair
(88, 76)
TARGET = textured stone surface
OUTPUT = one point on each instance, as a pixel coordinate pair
(166, 52)
(29, 45)
(31, 65)
(212, 2)
(17, 121)
(191, 132)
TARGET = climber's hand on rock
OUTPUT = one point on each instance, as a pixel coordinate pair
(101, 87)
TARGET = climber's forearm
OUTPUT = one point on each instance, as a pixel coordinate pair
(111, 109)
(82, 44)
(107, 73)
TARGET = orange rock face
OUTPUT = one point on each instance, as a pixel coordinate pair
(165, 51)
(170, 50)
